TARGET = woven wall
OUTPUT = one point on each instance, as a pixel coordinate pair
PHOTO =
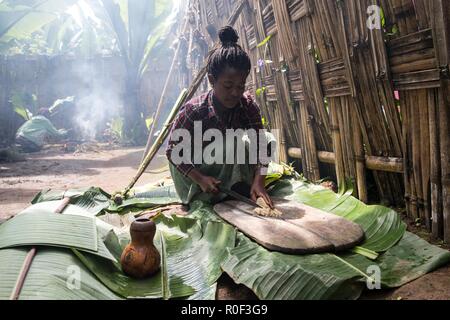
(331, 89)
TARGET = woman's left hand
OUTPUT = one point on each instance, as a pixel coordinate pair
(258, 190)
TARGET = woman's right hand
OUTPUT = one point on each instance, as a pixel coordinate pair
(209, 184)
(206, 183)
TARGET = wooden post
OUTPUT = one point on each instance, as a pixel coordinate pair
(340, 174)
(359, 159)
(382, 164)
(440, 11)
(164, 91)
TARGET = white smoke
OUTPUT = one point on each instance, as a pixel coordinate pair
(98, 102)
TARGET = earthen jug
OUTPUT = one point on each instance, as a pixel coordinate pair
(141, 259)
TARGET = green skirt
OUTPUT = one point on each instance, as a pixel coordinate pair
(228, 174)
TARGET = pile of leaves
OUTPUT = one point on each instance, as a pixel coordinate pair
(78, 249)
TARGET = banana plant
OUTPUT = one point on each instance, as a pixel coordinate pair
(138, 26)
(133, 27)
(19, 19)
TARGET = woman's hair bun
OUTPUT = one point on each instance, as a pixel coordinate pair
(228, 35)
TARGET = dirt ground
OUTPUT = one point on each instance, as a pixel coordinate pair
(112, 169)
(95, 165)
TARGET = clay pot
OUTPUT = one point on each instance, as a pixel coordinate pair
(141, 259)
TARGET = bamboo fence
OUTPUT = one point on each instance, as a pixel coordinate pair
(329, 83)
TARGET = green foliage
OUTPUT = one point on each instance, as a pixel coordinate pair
(260, 91)
(401, 257)
(264, 42)
(191, 256)
(20, 21)
(117, 128)
(197, 249)
(149, 122)
(22, 103)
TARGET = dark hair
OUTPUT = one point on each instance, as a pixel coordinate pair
(229, 54)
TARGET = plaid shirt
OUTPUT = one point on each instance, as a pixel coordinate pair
(245, 116)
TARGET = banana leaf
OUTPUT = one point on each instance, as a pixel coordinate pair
(93, 200)
(97, 202)
(195, 250)
(20, 21)
(205, 293)
(49, 229)
(191, 257)
(138, 25)
(55, 274)
(383, 226)
(404, 258)
(39, 226)
(410, 259)
(156, 197)
(277, 276)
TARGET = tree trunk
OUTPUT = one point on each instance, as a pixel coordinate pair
(135, 130)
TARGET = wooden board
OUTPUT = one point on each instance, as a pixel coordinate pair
(301, 229)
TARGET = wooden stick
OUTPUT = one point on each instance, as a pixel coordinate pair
(359, 159)
(435, 170)
(23, 274)
(425, 159)
(184, 97)
(30, 257)
(162, 136)
(337, 146)
(384, 164)
(164, 91)
(444, 128)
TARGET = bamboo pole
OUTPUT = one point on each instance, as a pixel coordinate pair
(444, 128)
(425, 158)
(435, 169)
(15, 295)
(165, 89)
(337, 146)
(285, 34)
(185, 96)
(161, 137)
(383, 164)
(439, 128)
(359, 159)
(323, 156)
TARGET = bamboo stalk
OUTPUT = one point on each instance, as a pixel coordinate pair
(435, 169)
(164, 91)
(444, 128)
(184, 97)
(425, 158)
(340, 174)
(382, 164)
(163, 134)
(359, 159)
(285, 34)
(406, 151)
(416, 151)
(439, 117)
(15, 295)
(23, 274)
(323, 156)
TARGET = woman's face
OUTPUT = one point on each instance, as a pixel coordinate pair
(229, 87)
